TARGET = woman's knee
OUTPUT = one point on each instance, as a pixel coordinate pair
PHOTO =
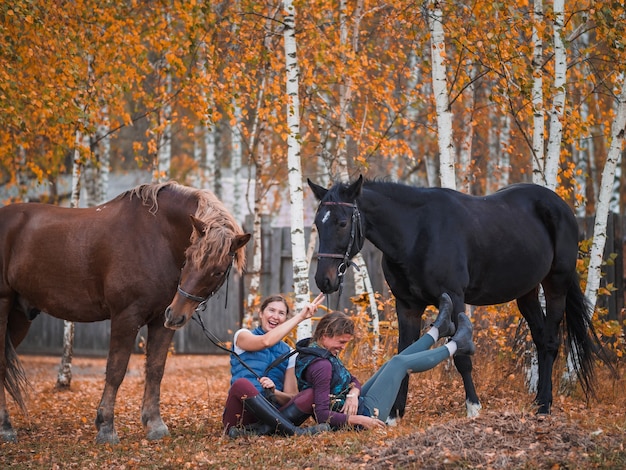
(243, 388)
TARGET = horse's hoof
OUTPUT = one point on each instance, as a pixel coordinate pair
(157, 432)
(473, 409)
(107, 437)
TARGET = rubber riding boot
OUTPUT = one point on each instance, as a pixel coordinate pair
(256, 429)
(443, 322)
(294, 414)
(463, 337)
(275, 421)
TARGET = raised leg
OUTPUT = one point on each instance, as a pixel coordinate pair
(122, 340)
(159, 339)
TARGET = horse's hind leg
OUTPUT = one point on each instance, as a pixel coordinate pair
(122, 341)
(7, 433)
(12, 332)
(545, 333)
(159, 339)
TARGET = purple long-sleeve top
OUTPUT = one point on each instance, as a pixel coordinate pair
(319, 374)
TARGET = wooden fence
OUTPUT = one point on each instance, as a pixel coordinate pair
(223, 318)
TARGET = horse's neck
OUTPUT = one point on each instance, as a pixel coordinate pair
(384, 226)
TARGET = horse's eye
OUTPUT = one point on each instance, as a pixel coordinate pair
(218, 274)
(343, 223)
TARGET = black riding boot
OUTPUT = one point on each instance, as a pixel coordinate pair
(272, 421)
(294, 414)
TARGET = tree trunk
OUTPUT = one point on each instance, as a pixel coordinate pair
(537, 97)
(558, 103)
(300, 266)
(440, 90)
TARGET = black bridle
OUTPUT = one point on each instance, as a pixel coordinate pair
(356, 239)
(202, 300)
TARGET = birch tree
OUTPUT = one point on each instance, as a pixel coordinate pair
(362, 279)
(604, 198)
(558, 103)
(537, 95)
(440, 92)
(64, 376)
(298, 253)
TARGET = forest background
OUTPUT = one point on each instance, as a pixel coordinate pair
(192, 90)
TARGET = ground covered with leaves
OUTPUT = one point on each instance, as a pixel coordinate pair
(59, 433)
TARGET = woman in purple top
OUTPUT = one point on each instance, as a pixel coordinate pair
(247, 409)
(338, 397)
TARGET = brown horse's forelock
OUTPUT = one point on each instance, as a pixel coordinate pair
(221, 225)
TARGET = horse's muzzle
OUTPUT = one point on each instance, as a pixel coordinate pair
(327, 280)
(173, 321)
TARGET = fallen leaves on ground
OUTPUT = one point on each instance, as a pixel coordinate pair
(59, 433)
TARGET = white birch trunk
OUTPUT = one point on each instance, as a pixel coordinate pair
(300, 267)
(531, 371)
(164, 151)
(602, 214)
(465, 150)
(362, 282)
(440, 90)
(64, 376)
(602, 206)
(235, 161)
(558, 103)
(504, 157)
(537, 97)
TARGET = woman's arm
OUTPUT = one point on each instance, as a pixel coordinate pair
(319, 373)
(250, 342)
(290, 387)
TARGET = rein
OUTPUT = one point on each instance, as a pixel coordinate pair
(356, 236)
(198, 319)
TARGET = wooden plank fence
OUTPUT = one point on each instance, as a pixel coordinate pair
(223, 318)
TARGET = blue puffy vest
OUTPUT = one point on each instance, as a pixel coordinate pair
(342, 378)
(258, 362)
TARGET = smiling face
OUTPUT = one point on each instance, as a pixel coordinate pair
(274, 314)
(335, 344)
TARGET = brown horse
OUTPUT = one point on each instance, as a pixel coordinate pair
(148, 257)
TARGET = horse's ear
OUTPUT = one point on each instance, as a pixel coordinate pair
(318, 191)
(239, 241)
(198, 225)
(354, 190)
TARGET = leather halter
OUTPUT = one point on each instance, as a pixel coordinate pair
(356, 237)
(203, 300)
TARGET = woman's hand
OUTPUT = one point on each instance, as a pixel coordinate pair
(309, 309)
(351, 405)
(366, 421)
(267, 383)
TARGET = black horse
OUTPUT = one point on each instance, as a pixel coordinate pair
(482, 250)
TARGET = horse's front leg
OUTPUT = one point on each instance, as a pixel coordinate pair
(120, 347)
(464, 365)
(159, 339)
(409, 329)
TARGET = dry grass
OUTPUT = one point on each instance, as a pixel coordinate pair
(59, 432)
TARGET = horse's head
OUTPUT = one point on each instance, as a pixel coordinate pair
(208, 261)
(340, 231)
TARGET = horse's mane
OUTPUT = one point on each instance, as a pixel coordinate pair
(381, 185)
(221, 225)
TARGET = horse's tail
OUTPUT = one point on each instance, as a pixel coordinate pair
(16, 382)
(583, 344)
